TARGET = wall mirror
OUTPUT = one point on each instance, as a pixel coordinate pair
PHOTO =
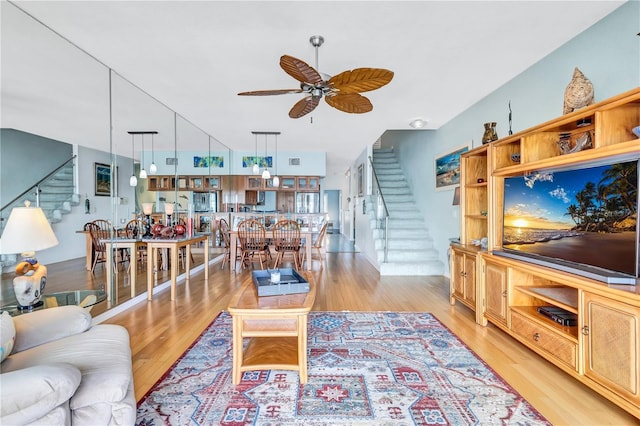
(60, 103)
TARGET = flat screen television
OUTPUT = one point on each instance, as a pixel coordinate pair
(581, 220)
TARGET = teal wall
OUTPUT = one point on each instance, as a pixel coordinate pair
(26, 158)
(608, 53)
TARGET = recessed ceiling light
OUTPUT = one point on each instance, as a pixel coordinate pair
(418, 123)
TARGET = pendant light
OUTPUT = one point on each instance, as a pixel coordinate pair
(143, 172)
(256, 167)
(265, 172)
(276, 179)
(133, 181)
(152, 167)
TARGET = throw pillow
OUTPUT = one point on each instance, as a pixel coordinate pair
(7, 335)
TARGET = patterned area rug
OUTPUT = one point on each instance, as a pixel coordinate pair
(375, 368)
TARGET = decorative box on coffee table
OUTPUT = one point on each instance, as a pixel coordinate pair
(276, 327)
(288, 282)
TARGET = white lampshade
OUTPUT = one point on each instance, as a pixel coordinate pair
(256, 169)
(133, 181)
(266, 174)
(276, 181)
(27, 230)
(147, 208)
(168, 208)
(153, 168)
(143, 173)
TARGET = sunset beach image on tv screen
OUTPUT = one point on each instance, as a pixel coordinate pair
(586, 215)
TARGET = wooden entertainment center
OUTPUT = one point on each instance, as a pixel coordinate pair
(603, 349)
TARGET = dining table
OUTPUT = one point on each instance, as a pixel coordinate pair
(305, 233)
(172, 245)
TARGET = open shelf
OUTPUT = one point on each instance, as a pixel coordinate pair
(271, 353)
(562, 297)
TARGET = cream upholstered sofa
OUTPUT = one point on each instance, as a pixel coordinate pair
(63, 371)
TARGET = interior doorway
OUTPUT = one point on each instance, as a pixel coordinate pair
(332, 208)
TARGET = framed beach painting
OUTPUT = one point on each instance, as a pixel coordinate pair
(102, 179)
(447, 168)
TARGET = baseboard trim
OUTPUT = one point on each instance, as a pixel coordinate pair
(110, 313)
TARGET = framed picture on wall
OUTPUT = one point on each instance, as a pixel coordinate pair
(360, 180)
(447, 168)
(102, 178)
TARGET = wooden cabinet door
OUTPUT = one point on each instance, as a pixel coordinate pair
(469, 279)
(251, 197)
(153, 183)
(303, 183)
(212, 182)
(285, 201)
(496, 292)
(253, 182)
(288, 183)
(611, 332)
(457, 275)
(314, 183)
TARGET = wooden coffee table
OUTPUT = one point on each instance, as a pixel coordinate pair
(276, 327)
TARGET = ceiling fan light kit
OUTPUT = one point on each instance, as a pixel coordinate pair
(341, 91)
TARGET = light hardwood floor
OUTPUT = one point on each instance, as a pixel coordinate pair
(161, 330)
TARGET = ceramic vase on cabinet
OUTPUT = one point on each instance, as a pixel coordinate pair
(490, 133)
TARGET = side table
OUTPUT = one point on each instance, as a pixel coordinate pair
(276, 327)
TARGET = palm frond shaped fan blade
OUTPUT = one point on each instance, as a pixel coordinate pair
(300, 70)
(353, 103)
(304, 106)
(360, 80)
(270, 92)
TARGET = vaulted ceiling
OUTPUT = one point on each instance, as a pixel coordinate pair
(195, 56)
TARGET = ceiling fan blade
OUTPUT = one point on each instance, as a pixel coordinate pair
(360, 80)
(304, 106)
(270, 92)
(300, 70)
(352, 103)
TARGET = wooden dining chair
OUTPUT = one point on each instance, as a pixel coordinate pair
(251, 235)
(224, 230)
(286, 240)
(135, 229)
(316, 247)
(102, 224)
(98, 235)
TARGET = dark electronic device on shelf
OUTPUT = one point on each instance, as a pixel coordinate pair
(559, 315)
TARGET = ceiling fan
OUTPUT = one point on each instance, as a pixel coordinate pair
(341, 91)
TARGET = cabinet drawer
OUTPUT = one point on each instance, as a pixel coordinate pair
(563, 349)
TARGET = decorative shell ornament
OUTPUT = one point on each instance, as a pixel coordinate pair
(579, 92)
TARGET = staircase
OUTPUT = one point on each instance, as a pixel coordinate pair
(56, 193)
(410, 248)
